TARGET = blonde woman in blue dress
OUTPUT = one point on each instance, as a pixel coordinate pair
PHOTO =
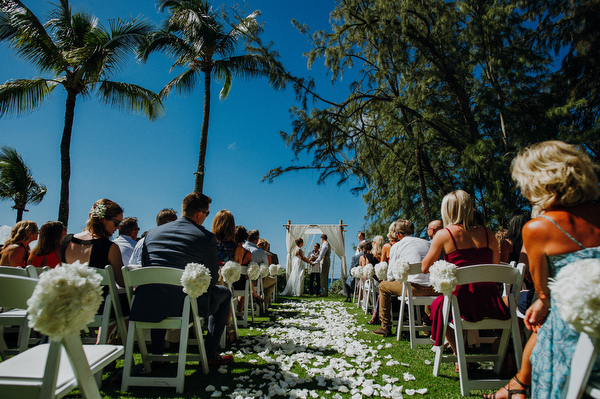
(561, 183)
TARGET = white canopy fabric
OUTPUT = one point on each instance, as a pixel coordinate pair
(335, 237)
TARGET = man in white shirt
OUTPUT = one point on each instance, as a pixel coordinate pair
(127, 239)
(259, 256)
(361, 239)
(412, 250)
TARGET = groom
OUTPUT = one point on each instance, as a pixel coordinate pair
(324, 259)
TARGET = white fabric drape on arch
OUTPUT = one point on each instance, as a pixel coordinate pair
(293, 232)
(335, 237)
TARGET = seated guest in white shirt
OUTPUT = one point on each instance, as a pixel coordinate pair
(127, 239)
(164, 216)
(412, 250)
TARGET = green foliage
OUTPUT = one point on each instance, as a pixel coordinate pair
(17, 183)
(442, 97)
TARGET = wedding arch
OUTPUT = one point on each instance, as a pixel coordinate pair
(335, 237)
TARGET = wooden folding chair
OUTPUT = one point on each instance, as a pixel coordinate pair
(510, 328)
(413, 305)
(584, 357)
(169, 276)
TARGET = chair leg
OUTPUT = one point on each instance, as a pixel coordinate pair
(183, 340)
(128, 357)
(81, 368)
(401, 315)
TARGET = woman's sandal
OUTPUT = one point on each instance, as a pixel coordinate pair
(511, 392)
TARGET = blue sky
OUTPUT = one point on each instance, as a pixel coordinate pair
(146, 166)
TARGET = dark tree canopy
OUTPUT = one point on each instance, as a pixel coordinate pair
(443, 96)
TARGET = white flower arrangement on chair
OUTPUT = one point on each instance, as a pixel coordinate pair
(231, 272)
(275, 270)
(264, 270)
(368, 271)
(381, 270)
(442, 276)
(65, 300)
(575, 292)
(195, 279)
(356, 272)
(253, 271)
(400, 270)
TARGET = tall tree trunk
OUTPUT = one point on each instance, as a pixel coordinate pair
(65, 158)
(422, 187)
(19, 215)
(199, 184)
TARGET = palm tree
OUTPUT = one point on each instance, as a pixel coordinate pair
(80, 55)
(16, 181)
(200, 42)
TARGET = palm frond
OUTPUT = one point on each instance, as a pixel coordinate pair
(24, 95)
(184, 83)
(16, 180)
(130, 97)
(170, 44)
(26, 34)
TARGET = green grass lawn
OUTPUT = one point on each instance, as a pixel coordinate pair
(250, 367)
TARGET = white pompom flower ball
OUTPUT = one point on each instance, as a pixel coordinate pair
(577, 297)
(264, 270)
(231, 272)
(442, 276)
(381, 270)
(195, 279)
(275, 270)
(400, 270)
(253, 271)
(65, 300)
(368, 271)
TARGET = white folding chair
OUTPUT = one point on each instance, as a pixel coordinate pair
(13, 301)
(510, 328)
(584, 357)
(360, 291)
(413, 305)
(246, 293)
(369, 297)
(169, 276)
(50, 370)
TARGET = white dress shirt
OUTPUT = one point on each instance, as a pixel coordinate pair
(412, 250)
(126, 245)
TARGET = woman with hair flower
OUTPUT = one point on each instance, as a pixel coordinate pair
(93, 244)
(16, 248)
(464, 242)
(561, 182)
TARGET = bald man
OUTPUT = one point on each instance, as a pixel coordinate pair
(433, 228)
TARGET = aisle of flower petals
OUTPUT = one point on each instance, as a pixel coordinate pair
(321, 338)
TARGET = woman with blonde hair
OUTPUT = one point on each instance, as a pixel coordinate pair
(561, 182)
(16, 248)
(93, 244)
(47, 250)
(378, 242)
(464, 242)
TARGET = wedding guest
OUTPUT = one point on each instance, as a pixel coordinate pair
(47, 250)
(243, 257)
(176, 244)
(164, 216)
(505, 247)
(561, 182)
(411, 249)
(367, 255)
(259, 256)
(377, 242)
(93, 244)
(433, 227)
(392, 239)
(127, 239)
(361, 239)
(15, 251)
(464, 242)
(314, 279)
(223, 227)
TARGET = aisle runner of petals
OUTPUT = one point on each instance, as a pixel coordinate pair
(320, 337)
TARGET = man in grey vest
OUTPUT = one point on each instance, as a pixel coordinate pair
(324, 259)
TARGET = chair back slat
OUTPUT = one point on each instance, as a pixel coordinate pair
(16, 290)
(14, 271)
(488, 273)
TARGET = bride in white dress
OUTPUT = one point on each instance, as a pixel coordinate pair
(295, 283)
